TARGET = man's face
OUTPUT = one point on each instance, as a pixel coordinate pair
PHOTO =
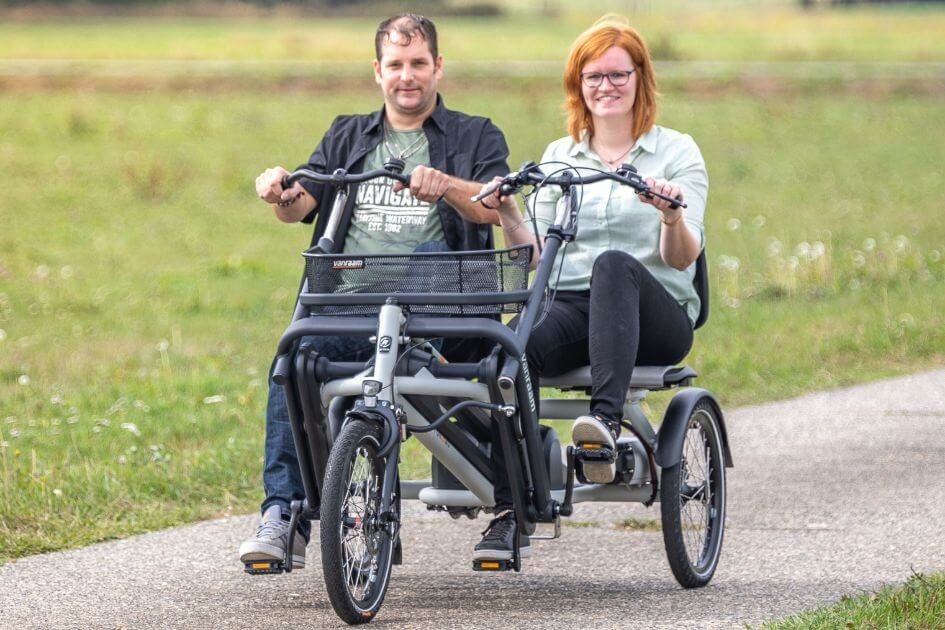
(408, 75)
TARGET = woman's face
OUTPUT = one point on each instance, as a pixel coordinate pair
(607, 100)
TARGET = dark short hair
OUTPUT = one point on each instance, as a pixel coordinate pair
(408, 26)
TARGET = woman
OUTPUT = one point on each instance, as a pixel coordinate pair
(625, 295)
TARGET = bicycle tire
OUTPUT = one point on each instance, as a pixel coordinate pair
(695, 486)
(351, 497)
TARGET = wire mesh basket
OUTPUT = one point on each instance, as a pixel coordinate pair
(448, 283)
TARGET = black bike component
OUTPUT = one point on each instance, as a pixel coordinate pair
(356, 539)
(296, 419)
(341, 178)
(692, 499)
(449, 413)
(650, 460)
(494, 565)
(336, 416)
(537, 472)
(701, 283)
(525, 514)
(295, 509)
(264, 567)
(600, 455)
(426, 327)
(313, 422)
(382, 413)
(456, 436)
(675, 419)
(567, 506)
(551, 449)
(436, 283)
(474, 421)
(530, 174)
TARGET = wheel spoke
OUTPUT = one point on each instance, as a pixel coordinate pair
(695, 491)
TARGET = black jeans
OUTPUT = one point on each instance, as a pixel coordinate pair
(627, 318)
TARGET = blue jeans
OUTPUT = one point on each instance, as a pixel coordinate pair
(282, 478)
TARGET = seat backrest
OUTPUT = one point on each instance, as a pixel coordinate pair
(701, 284)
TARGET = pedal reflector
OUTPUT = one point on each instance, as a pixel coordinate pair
(492, 565)
(263, 568)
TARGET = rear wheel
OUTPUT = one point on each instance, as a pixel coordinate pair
(692, 501)
(357, 548)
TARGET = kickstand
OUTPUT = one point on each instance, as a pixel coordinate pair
(296, 511)
(517, 552)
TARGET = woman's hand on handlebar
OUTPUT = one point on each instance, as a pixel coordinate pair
(492, 198)
(667, 188)
(269, 186)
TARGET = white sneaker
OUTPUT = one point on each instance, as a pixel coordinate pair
(593, 432)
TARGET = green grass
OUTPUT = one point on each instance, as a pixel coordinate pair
(690, 32)
(143, 287)
(918, 604)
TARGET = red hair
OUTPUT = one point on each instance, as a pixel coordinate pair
(590, 45)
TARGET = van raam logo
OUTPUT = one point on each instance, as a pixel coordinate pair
(348, 263)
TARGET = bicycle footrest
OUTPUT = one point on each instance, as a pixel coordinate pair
(264, 567)
(594, 452)
(493, 565)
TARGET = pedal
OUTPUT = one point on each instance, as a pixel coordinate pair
(594, 452)
(493, 565)
(264, 567)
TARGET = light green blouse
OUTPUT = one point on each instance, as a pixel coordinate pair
(611, 216)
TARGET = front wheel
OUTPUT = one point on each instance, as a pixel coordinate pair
(692, 501)
(357, 548)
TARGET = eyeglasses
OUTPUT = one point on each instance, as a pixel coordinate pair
(616, 78)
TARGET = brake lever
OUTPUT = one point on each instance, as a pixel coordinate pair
(630, 173)
(488, 190)
(508, 185)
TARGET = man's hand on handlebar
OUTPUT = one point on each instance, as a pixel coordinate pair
(269, 186)
(427, 184)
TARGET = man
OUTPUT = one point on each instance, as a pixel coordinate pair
(447, 154)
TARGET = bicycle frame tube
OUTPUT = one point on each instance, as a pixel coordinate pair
(327, 242)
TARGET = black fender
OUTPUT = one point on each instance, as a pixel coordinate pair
(670, 437)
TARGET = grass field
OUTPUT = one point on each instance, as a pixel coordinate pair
(143, 286)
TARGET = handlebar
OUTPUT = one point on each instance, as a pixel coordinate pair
(530, 174)
(392, 169)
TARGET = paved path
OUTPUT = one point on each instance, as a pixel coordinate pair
(832, 493)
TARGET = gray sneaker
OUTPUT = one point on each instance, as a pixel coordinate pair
(269, 541)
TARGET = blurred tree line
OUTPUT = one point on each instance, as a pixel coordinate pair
(837, 3)
(185, 7)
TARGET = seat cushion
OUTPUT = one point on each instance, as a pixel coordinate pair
(644, 377)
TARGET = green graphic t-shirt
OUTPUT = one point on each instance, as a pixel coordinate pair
(388, 222)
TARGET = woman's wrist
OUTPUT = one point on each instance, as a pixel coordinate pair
(510, 219)
(673, 220)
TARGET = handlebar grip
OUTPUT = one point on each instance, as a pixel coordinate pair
(286, 182)
(488, 190)
(280, 373)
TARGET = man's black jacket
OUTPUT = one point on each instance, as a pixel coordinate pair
(468, 147)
